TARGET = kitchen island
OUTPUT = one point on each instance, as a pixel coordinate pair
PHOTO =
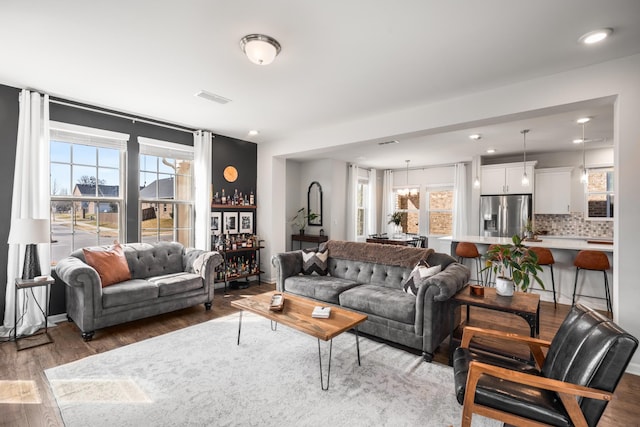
(564, 251)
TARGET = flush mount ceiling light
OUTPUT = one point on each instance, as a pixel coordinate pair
(525, 177)
(491, 150)
(595, 36)
(475, 136)
(260, 49)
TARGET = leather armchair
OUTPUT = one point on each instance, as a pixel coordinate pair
(570, 386)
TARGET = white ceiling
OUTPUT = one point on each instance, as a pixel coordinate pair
(340, 61)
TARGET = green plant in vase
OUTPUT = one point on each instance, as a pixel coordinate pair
(513, 264)
(396, 219)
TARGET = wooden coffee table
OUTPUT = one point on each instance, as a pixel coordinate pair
(521, 304)
(296, 314)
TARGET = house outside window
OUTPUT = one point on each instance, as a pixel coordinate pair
(599, 194)
(407, 201)
(440, 210)
(166, 192)
(86, 187)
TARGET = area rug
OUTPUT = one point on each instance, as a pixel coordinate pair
(198, 376)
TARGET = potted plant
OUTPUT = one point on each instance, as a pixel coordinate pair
(301, 217)
(513, 264)
(396, 218)
(528, 230)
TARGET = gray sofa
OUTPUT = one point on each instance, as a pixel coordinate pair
(367, 277)
(165, 277)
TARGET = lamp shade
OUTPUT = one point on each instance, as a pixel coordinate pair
(29, 231)
(260, 49)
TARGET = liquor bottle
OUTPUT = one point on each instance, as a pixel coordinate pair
(235, 197)
(223, 199)
(252, 199)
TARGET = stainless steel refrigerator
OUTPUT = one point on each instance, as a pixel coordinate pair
(504, 216)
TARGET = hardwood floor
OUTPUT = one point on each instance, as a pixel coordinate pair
(29, 365)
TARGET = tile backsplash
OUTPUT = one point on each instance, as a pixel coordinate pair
(573, 224)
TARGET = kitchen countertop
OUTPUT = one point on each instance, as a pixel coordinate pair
(551, 243)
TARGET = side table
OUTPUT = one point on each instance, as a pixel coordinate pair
(24, 285)
(525, 305)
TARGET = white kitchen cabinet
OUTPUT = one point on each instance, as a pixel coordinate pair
(552, 193)
(506, 178)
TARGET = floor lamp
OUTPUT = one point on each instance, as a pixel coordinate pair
(30, 231)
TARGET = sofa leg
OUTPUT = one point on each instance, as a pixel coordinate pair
(207, 306)
(428, 357)
(88, 336)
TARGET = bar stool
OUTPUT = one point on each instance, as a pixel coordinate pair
(595, 261)
(487, 265)
(467, 250)
(545, 257)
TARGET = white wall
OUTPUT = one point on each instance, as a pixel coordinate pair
(617, 78)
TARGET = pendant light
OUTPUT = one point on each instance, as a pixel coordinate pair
(584, 176)
(407, 191)
(525, 177)
(476, 180)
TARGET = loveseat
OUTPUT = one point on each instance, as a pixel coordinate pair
(164, 277)
(371, 278)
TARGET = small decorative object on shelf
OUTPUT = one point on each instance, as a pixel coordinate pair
(322, 231)
(477, 290)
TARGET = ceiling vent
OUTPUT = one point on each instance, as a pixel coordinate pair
(389, 142)
(212, 97)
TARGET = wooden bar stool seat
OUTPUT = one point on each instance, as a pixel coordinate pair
(594, 261)
(545, 257)
(467, 250)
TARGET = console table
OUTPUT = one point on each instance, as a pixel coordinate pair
(311, 238)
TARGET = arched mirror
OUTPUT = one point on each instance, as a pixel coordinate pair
(314, 204)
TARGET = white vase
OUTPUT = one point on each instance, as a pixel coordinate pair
(504, 287)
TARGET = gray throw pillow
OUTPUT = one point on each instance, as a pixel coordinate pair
(315, 261)
(421, 272)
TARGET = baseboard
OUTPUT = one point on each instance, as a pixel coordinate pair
(57, 318)
(633, 368)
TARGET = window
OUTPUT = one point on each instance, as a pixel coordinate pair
(599, 194)
(440, 211)
(407, 201)
(86, 182)
(362, 202)
(166, 192)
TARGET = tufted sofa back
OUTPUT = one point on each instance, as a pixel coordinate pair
(149, 259)
(365, 272)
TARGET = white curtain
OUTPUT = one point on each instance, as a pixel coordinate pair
(373, 203)
(352, 207)
(387, 202)
(30, 200)
(202, 177)
(460, 200)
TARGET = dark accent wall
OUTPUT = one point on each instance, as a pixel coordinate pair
(243, 156)
(225, 151)
(9, 111)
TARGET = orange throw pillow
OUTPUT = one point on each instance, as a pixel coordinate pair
(110, 264)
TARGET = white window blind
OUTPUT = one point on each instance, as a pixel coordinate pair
(87, 136)
(159, 148)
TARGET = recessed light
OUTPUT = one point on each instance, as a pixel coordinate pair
(475, 136)
(577, 141)
(253, 132)
(491, 150)
(582, 120)
(595, 36)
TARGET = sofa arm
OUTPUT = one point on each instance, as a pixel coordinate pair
(287, 264)
(449, 281)
(75, 272)
(203, 263)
